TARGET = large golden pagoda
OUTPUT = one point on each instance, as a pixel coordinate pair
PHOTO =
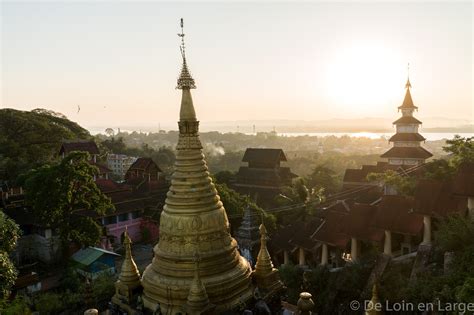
(194, 221)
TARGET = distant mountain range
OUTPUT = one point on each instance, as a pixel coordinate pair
(369, 124)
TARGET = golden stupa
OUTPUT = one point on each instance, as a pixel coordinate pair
(194, 221)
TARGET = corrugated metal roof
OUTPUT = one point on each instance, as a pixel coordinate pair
(87, 256)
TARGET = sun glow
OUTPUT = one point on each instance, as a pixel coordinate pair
(364, 78)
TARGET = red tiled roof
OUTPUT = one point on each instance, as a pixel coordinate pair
(436, 198)
(102, 168)
(359, 223)
(331, 231)
(406, 137)
(407, 120)
(84, 146)
(464, 180)
(107, 185)
(264, 155)
(303, 231)
(407, 152)
(143, 164)
(395, 213)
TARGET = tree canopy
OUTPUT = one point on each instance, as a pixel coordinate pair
(9, 234)
(31, 139)
(58, 194)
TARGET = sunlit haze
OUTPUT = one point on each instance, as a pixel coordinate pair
(251, 61)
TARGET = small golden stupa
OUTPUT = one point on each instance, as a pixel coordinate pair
(194, 219)
(267, 277)
(128, 282)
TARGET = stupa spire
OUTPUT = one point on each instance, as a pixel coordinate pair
(264, 264)
(129, 274)
(194, 220)
(267, 277)
(198, 300)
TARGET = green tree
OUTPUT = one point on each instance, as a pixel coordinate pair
(455, 233)
(323, 177)
(58, 194)
(31, 139)
(9, 234)
(461, 149)
(404, 185)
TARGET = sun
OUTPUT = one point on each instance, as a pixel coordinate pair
(361, 78)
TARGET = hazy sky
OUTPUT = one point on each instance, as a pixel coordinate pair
(119, 60)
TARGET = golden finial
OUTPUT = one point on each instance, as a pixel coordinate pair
(185, 80)
(408, 84)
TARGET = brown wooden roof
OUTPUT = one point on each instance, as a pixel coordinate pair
(331, 231)
(463, 183)
(402, 136)
(395, 213)
(407, 120)
(407, 101)
(264, 155)
(360, 223)
(436, 198)
(407, 152)
(143, 164)
(83, 146)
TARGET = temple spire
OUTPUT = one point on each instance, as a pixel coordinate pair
(264, 264)
(408, 84)
(267, 277)
(129, 275)
(198, 300)
(185, 83)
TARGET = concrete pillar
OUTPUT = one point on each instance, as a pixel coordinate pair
(286, 258)
(324, 254)
(470, 207)
(426, 229)
(301, 260)
(354, 249)
(387, 247)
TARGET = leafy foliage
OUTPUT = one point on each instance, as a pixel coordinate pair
(323, 177)
(31, 139)
(404, 185)
(455, 233)
(57, 195)
(461, 149)
(163, 156)
(9, 234)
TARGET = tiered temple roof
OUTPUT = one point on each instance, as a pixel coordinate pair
(407, 149)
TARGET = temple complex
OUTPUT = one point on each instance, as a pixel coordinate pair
(193, 222)
(407, 149)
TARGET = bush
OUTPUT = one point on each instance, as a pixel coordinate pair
(49, 303)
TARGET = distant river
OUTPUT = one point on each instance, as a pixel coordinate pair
(431, 136)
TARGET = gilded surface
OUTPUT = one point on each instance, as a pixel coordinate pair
(194, 220)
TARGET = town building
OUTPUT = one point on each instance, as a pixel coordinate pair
(120, 163)
(89, 147)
